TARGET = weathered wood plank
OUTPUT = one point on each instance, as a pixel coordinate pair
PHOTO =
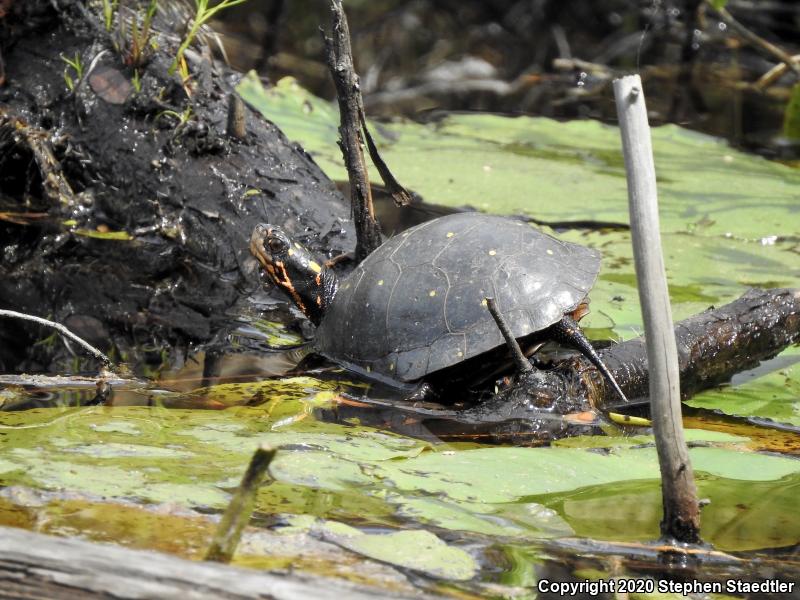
(35, 566)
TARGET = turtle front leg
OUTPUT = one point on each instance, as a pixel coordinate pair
(569, 333)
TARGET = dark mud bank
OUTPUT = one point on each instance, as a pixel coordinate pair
(125, 207)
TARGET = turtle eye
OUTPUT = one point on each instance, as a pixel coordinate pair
(276, 245)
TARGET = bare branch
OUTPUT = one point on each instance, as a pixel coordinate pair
(756, 40)
(62, 330)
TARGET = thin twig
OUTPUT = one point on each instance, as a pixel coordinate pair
(679, 493)
(569, 64)
(775, 73)
(754, 39)
(62, 330)
(399, 194)
(239, 511)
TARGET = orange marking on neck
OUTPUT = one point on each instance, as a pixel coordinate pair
(286, 282)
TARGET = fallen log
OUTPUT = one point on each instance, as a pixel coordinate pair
(37, 566)
(716, 344)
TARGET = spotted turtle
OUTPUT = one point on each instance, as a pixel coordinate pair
(415, 309)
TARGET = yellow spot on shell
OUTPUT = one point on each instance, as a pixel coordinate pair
(369, 368)
(391, 366)
(380, 282)
(432, 293)
(460, 353)
(484, 303)
(450, 234)
(314, 266)
(492, 252)
(291, 252)
(550, 252)
(297, 245)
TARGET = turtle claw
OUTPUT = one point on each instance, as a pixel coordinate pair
(424, 393)
(568, 332)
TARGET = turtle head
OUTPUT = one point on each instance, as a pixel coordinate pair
(311, 285)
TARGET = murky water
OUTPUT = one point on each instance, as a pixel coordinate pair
(166, 433)
(162, 454)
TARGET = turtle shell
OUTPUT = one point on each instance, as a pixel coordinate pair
(417, 304)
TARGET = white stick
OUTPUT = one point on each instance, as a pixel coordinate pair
(681, 511)
(61, 329)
